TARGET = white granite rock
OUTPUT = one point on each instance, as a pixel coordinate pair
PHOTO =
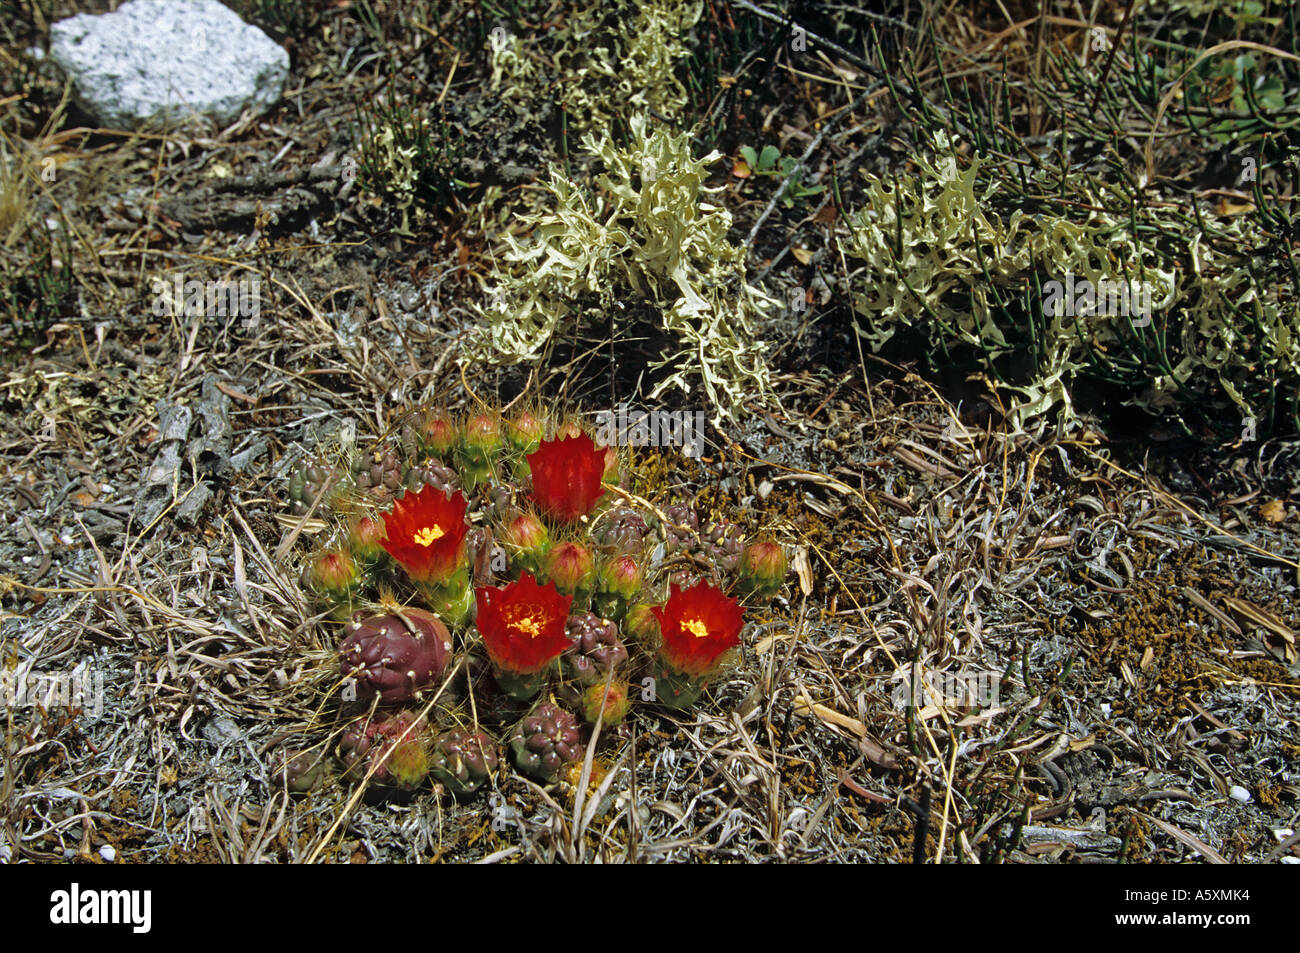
(171, 61)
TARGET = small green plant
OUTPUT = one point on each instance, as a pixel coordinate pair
(762, 163)
(1252, 99)
(771, 162)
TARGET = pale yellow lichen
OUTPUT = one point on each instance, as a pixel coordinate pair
(647, 236)
(936, 255)
(605, 60)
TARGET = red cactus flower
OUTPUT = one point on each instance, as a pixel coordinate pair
(523, 624)
(426, 534)
(566, 476)
(697, 625)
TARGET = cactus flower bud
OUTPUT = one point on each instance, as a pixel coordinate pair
(763, 567)
(619, 582)
(334, 575)
(621, 576)
(526, 541)
(366, 539)
(438, 435)
(570, 567)
(525, 432)
(614, 705)
(641, 624)
(480, 446)
(483, 434)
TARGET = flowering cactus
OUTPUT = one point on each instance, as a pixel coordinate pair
(546, 741)
(394, 656)
(462, 761)
(581, 583)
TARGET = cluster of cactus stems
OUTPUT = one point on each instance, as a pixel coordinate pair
(513, 542)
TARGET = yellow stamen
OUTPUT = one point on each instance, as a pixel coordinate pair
(696, 628)
(525, 620)
(426, 536)
(529, 625)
